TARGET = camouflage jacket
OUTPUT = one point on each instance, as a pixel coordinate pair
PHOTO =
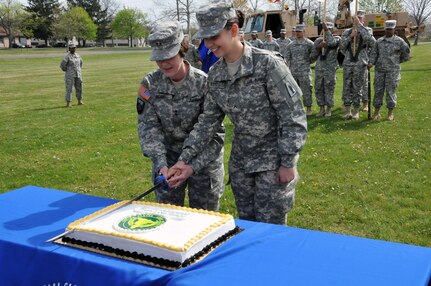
(271, 46)
(388, 53)
(256, 43)
(329, 61)
(364, 42)
(72, 65)
(283, 43)
(193, 56)
(300, 55)
(264, 105)
(169, 116)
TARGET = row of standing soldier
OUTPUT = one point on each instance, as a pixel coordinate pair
(299, 53)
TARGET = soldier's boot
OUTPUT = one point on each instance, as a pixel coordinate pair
(347, 113)
(328, 112)
(355, 113)
(365, 106)
(321, 112)
(391, 114)
(80, 102)
(376, 115)
(309, 112)
(68, 104)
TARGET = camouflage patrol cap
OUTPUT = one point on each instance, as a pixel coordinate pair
(300, 28)
(330, 25)
(241, 33)
(71, 45)
(268, 33)
(165, 40)
(361, 13)
(212, 18)
(254, 32)
(390, 24)
(283, 31)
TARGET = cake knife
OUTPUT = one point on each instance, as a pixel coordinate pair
(160, 182)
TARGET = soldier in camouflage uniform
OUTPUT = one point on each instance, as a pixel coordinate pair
(255, 42)
(72, 66)
(283, 42)
(270, 44)
(169, 103)
(326, 68)
(300, 55)
(255, 89)
(355, 64)
(387, 55)
(192, 55)
(293, 36)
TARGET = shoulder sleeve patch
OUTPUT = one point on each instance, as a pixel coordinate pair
(144, 93)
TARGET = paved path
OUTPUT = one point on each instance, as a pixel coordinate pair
(30, 55)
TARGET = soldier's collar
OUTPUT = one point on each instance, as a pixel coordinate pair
(246, 67)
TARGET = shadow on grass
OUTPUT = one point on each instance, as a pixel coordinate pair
(48, 108)
(336, 122)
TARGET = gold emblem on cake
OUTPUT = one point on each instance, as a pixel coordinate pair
(141, 222)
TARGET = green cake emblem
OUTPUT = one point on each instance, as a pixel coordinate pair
(142, 222)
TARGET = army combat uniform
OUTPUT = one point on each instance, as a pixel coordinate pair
(166, 118)
(300, 55)
(325, 70)
(193, 56)
(263, 102)
(256, 43)
(72, 66)
(387, 56)
(283, 43)
(271, 46)
(355, 66)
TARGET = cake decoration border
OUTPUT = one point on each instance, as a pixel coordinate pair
(76, 225)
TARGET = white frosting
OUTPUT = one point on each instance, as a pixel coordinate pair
(181, 228)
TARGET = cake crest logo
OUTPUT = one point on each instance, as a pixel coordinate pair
(142, 222)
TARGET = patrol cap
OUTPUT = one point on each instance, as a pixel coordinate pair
(268, 33)
(283, 31)
(71, 45)
(300, 28)
(165, 40)
(390, 24)
(212, 18)
(254, 32)
(330, 25)
(361, 13)
(241, 33)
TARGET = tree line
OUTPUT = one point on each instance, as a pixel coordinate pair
(86, 20)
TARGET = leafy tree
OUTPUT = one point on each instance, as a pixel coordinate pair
(13, 19)
(43, 14)
(379, 6)
(130, 24)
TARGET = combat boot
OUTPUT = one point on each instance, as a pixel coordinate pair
(348, 113)
(68, 104)
(321, 112)
(391, 114)
(328, 112)
(376, 115)
(80, 102)
(365, 106)
(355, 113)
(309, 112)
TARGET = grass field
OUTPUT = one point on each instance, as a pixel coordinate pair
(359, 178)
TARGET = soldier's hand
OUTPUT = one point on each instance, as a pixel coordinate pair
(285, 175)
(164, 172)
(369, 66)
(179, 173)
(357, 21)
(353, 34)
(324, 26)
(323, 45)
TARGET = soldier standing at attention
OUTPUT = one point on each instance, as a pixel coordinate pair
(293, 36)
(283, 42)
(170, 101)
(326, 68)
(255, 89)
(192, 55)
(390, 51)
(255, 42)
(300, 55)
(355, 64)
(270, 44)
(72, 66)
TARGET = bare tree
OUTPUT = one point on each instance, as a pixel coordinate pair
(183, 11)
(420, 10)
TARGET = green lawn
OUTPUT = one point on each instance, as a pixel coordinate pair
(358, 178)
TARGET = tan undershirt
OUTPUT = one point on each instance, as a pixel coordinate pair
(232, 68)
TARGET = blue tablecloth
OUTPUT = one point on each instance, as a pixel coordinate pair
(262, 254)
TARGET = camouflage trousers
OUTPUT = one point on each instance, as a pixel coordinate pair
(353, 84)
(204, 188)
(386, 81)
(324, 87)
(304, 82)
(258, 197)
(73, 82)
(365, 87)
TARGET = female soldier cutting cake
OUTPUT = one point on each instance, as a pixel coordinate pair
(255, 89)
(169, 103)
